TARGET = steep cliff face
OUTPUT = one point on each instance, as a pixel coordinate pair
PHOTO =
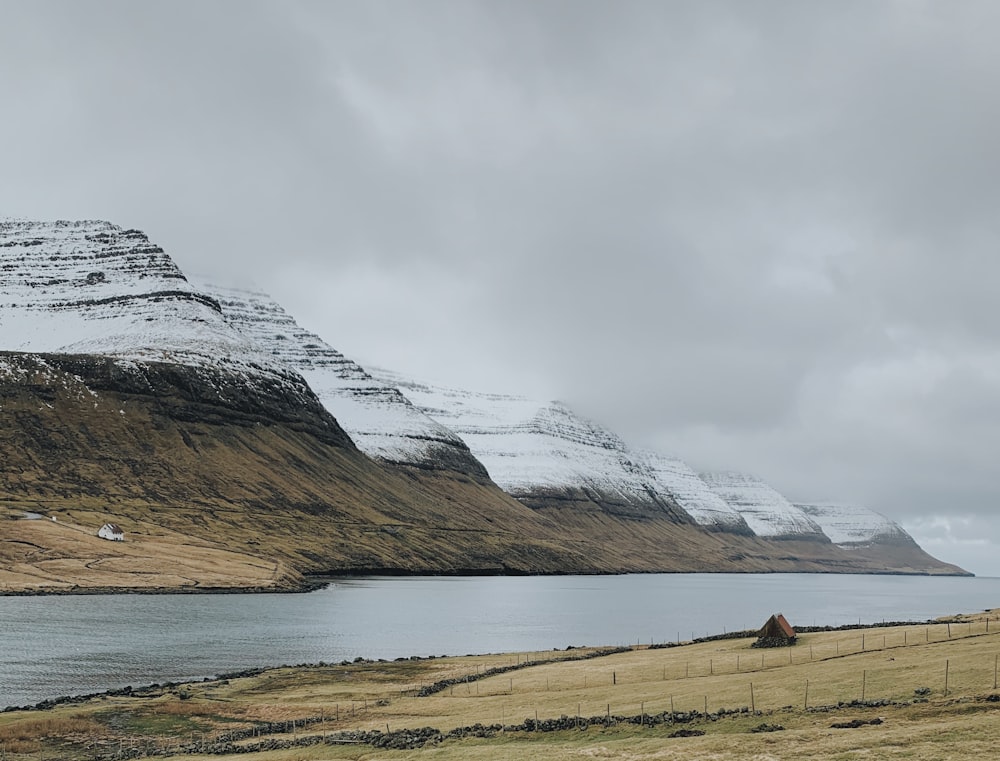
(546, 455)
(380, 420)
(694, 495)
(766, 511)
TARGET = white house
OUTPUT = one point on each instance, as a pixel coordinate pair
(112, 532)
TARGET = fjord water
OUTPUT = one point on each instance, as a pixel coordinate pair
(66, 645)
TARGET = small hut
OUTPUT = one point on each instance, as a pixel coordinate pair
(112, 532)
(776, 632)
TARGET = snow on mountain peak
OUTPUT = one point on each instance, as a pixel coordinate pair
(91, 287)
(766, 511)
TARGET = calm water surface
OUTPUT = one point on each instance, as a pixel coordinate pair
(52, 646)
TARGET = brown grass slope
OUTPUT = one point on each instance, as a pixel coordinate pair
(219, 483)
(163, 450)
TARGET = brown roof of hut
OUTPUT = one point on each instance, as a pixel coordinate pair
(778, 628)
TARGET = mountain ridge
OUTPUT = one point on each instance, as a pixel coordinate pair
(132, 394)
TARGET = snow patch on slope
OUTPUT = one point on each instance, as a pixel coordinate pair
(693, 494)
(855, 525)
(381, 421)
(765, 510)
(530, 447)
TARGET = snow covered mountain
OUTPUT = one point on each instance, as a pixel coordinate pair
(766, 511)
(855, 526)
(127, 387)
(381, 421)
(693, 494)
(107, 304)
(91, 287)
(543, 451)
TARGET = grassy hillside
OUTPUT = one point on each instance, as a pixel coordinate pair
(239, 479)
(923, 691)
(42, 555)
(265, 477)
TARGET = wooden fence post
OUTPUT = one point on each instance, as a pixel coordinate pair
(753, 703)
(946, 664)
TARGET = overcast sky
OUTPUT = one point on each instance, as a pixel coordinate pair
(761, 236)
